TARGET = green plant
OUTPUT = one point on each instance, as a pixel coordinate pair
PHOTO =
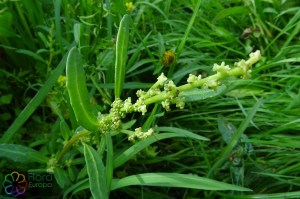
(98, 129)
(100, 176)
(100, 138)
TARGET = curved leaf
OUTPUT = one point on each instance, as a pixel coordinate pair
(96, 173)
(121, 55)
(174, 180)
(201, 94)
(19, 153)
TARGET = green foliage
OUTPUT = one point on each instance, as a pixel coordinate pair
(121, 55)
(96, 173)
(114, 125)
(76, 85)
(22, 154)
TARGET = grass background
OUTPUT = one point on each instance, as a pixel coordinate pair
(35, 36)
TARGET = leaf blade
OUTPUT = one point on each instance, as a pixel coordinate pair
(121, 55)
(174, 180)
(19, 153)
(197, 94)
(96, 173)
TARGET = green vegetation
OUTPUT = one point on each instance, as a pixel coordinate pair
(151, 99)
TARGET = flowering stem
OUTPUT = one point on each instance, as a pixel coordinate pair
(234, 72)
(170, 94)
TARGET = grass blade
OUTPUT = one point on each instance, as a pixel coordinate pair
(19, 153)
(235, 138)
(121, 55)
(197, 94)
(285, 195)
(96, 173)
(188, 30)
(109, 160)
(174, 180)
(61, 177)
(133, 150)
(185, 37)
(182, 132)
(35, 102)
(79, 186)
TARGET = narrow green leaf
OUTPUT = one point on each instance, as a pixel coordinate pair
(237, 10)
(57, 17)
(77, 32)
(6, 22)
(128, 85)
(133, 150)
(235, 138)
(174, 180)
(139, 64)
(34, 103)
(185, 37)
(226, 128)
(79, 186)
(61, 177)
(78, 93)
(96, 173)
(121, 55)
(19, 153)
(197, 94)
(109, 160)
(109, 20)
(294, 194)
(31, 54)
(182, 132)
(151, 118)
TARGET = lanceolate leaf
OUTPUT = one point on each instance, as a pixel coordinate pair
(34, 103)
(121, 55)
(130, 152)
(182, 132)
(201, 94)
(174, 180)
(77, 89)
(19, 153)
(96, 173)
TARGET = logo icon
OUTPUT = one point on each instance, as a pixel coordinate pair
(15, 184)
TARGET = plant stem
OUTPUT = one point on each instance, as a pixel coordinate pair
(71, 142)
(234, 72)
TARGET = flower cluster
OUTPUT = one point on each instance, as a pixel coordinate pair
(112, 121)
(193, 78)
(242, 68)
(167, 92)
(139, 134)
(171, 96)
(51, 165)
(246, 65)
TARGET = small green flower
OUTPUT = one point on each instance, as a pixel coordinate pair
(161, 79)
(139, 134)
(166, 105)
(223, 69)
